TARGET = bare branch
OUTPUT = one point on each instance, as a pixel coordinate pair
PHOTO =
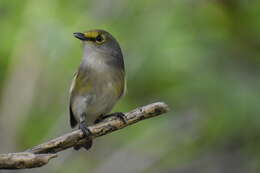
(36, 156)
(24, 160)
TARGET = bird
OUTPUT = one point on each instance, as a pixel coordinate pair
(98, 83)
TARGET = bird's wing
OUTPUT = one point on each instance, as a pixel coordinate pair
(81, 84)
(122, 84)
(73, 121)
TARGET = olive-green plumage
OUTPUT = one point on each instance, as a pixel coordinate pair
(100, 79)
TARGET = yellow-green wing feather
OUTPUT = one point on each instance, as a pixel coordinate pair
(80, 85)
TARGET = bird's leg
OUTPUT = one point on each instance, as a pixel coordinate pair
(119, 115)
(84, 129)
(87, 133)
(83, 126)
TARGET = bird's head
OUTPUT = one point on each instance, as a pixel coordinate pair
(98, 39)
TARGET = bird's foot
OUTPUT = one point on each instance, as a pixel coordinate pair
(84, 129)
(119, 115)
(87, 134)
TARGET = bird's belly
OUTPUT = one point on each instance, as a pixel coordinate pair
(102, 101)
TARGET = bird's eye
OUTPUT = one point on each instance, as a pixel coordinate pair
(99, 39)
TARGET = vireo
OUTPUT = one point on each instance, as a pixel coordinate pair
(99, 81)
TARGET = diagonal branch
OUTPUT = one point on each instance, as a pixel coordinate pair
(76, 137)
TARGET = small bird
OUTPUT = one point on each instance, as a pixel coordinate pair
(99, 81)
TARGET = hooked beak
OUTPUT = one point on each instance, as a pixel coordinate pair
(80, 36)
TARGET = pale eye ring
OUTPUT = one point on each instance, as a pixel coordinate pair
(99, 39)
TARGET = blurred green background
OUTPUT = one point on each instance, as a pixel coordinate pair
(201, 57)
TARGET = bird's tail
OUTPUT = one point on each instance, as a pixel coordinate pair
(86, 145)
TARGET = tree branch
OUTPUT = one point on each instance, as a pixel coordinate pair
(41, 154)
(24, 160)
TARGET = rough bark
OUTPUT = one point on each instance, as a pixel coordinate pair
(41, 154)
(24, 160)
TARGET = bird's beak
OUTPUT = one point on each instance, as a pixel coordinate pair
(80, 36)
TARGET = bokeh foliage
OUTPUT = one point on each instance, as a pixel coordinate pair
(201, 57)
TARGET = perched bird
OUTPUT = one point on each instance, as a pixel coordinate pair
(99, 81)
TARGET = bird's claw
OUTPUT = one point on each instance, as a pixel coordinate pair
(119, 115)
(84, 129)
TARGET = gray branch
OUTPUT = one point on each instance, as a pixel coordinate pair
(24, 160)
(41, 154)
